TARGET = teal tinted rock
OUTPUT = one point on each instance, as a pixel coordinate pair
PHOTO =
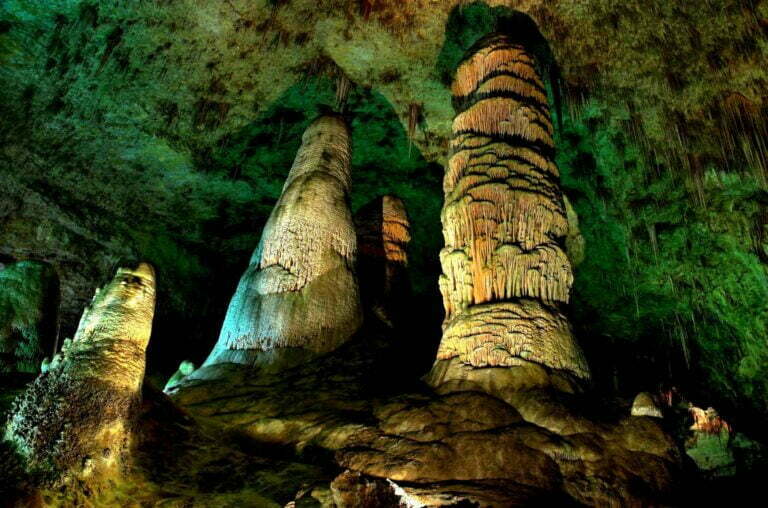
(29, 299)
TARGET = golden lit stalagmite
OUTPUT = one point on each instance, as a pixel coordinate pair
(76, 417)
(383, 233)
(505, 271)
(300, 293)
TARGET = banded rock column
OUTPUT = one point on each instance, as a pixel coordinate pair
(300, 293)
(383, 234)
(75, 418)
(505, 271)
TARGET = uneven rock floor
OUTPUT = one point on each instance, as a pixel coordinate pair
(354, 429)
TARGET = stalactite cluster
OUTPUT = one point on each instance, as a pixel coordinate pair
(383, 233)
(76, 416)
(505, 271)
(300, 289)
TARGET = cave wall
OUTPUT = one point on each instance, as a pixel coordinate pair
(164, 130)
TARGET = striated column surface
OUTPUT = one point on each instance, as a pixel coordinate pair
(300, 292)
(75, 418)
(383, 233)
(505, 272)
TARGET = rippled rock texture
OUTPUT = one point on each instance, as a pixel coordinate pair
(74, 421)
(506, 275)
(300, 291)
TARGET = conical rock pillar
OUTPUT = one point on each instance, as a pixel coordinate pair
(299, 295)
(505, 272)
(75, 419)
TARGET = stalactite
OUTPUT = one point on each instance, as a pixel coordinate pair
(414, 115)
(77, 416)
(343, 85)
(505, 271)
(383, 233)
(300, 290)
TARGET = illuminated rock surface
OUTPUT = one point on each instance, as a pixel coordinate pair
(505, 272)
(74, 420)
(300, 292)
(165, 130)
(466, 446)
(186, 116)
(645, 405)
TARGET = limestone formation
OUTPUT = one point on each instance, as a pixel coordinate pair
(75, 418)
(574, 243)
(29, 300)
(383, 233)
(645, 405)
(505, 272)
(185, 369)
(300, 293)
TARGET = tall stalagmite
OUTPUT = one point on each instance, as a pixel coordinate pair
(300, 295)
(505, 272)
(383, 233)
(75, 419)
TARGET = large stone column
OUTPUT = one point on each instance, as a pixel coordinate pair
(299, 295)
(74, 420)
(505, 272)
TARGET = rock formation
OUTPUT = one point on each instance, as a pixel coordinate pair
(383, 233)
(29, 300)
(574, 243)
(185, 369)
(645, 405)
(300, 293)
(75, 418)
(505, 272)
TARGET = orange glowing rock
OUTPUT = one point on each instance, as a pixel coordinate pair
(505, 270)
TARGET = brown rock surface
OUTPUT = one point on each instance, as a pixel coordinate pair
(645, 405)
(539, 446)
(75, 419)
(505, 272)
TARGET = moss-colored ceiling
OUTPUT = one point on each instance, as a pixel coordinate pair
(163, 130)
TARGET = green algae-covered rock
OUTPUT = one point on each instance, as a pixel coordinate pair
(29, 299)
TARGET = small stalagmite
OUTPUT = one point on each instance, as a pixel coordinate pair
(299, 296)
(75, 419)
(383, 233)
(645, 405)
(505, 271)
